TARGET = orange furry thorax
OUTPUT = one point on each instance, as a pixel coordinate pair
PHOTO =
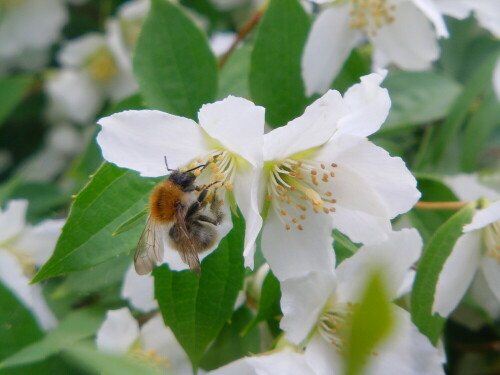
(164, 200)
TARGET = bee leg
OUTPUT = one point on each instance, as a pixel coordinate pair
(215, 208)
(208, 219)
(195, 206)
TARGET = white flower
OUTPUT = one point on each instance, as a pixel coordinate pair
(284, 362)
(400, 30)
(89, 74)
(317, 309)
(123, 31)
(22, 248)
(322, 173)
(487, 12)
(477, 250)
(231, 130)
(29, 26)
(153, 342)
(139, 291)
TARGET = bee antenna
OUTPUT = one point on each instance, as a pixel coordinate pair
(166, 163)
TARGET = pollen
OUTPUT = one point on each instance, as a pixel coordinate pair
(371, 15)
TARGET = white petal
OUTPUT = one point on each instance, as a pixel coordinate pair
(118, 331)
(140, 140)
(246, 185)
(157, 337)
(73, 96)
(484, 217)
(297, 252)
(431, 10)
(393, 258)
(491, 269)
(76, 52)
(409, 42)
(139, 291)
(328, 45)
(302, 301)
(40, 240)
(323, 358)
(360, 226)
(315, 127)
(407, 284)
(12, 219)
(467, 187)
(405, 351)
(122, 86)
(220, 42)
(387, 177)
(496, 79)
(368, 104)
(457, 273)
(12, 276)
(481, 292)
(237, 124)
(33, 24)
(284, 362)
(241, 367)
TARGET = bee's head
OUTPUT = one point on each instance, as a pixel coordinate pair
(184, 179)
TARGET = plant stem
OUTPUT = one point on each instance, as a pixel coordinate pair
(440, 205)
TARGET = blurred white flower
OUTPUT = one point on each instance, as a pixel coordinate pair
(153, 342)
(283, 362)
(123, 30)
(487, 12)
(401, 32)
(496, 79)
(90, 74)
(322, 173)
(477, 250)
(231, 129)
(317, 309)
(22, 249)
(139, 291)
(27, 29)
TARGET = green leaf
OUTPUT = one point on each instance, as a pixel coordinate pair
(230, 345)
(343, 246)
(94, 360)
(111, 197)
(234, 76)
(75, 327)
(196, 308)
(18, 327)
(275, 73)
(269, 303)
(95, 280)
(428, 221)
(478, 130)
(477, 84)
(371, 323)
(418, 97)
(12, 92)
(435, 254)
(135, 220)
(8, 187)
(173, 63)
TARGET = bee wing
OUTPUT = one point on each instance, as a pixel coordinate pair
(149, 250)
(190, 256)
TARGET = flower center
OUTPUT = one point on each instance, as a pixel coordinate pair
(25, 257)
(492, 240)
(371, 15)
(334, 324)
(219, 171)
(300, 186)
(151, 358)
(102, 66)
